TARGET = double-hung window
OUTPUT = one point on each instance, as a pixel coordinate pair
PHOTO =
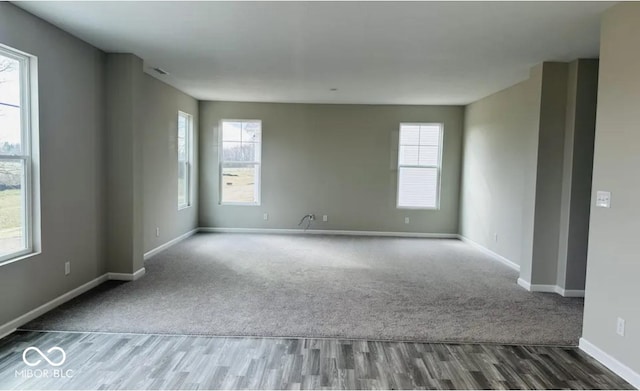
(16, 160)
(419, 164)
(240, 162)
(185, 157)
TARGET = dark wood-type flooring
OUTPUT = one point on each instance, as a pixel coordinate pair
(138, 361)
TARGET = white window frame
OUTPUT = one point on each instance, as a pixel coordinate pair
(438, 167)
(29, 152)
(258, 164)
(188, 141)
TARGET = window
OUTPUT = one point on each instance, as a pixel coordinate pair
(240, 159)
(185, 137)
(16, 165)
(419, 162)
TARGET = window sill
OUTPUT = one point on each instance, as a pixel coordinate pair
(417, 208)
(239, 204)
(20, 258)
(184, 207)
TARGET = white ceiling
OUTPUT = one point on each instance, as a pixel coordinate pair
(372, 52)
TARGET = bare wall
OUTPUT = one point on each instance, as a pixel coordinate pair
(549, 174)
(577, 170)
(613, 265)
(338, 160)
(160, 168)
(499, 169)
(71, 116)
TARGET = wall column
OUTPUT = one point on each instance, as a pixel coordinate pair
(124, 77)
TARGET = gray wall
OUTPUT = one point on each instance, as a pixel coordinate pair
(124, 163)
(95, 190)
(160, 173)
(499, 170)
(613, 267)
(577, 171)
(71, 116)
(142, 163)
(338, 160)
(527, 173)
(549, 174)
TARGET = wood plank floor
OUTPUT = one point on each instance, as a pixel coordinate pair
(138, 361)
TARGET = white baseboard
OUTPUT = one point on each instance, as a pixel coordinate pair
(126, 276)
(570, 292)
(550, 289)
(537, 287)
(12, 325)
(170, 243)
(327, 232)
(524, 284)
(485, 250)
(608, 361)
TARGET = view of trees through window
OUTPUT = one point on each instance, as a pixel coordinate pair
(240, 160)
(12, 163)
(184, 159)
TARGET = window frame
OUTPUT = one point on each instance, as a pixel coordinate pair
(438, 167)
(188, 137)
(221, 162)
(28, 157)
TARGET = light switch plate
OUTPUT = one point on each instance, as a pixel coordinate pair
(603, 199)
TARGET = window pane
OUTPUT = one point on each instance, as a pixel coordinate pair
(185, 134)
(232, 131)
(10, 120)
(240, 152)
(182, 125)
(429, 134)
(231, 151)
(182, 149)
(429, 156)
(409, 134)
(12, 207)
(251, 132)
(408, 155)
(183, 184)
(239, 183)
(417, 187)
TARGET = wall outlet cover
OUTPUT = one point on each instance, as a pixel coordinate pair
(620, 327)
(603, 199)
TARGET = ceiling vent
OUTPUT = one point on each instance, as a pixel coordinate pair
(160, 71)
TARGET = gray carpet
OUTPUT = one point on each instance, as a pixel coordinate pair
(325, 286)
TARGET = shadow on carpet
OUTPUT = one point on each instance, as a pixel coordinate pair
(430, 290)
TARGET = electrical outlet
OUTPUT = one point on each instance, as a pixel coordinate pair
(325, 218)
(157, 232)
(603, 199)
(265, 216)
(67, 268)
(406, 220)
(620, 327)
